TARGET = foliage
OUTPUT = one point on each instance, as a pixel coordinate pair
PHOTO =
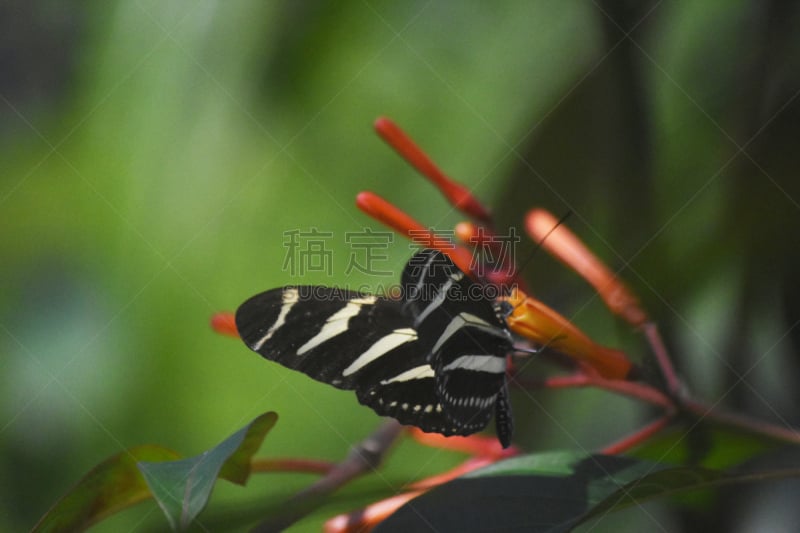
(154, 153)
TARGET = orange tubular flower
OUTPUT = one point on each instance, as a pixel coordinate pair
(457, 194)
(394, 217)
(568, 248)
(476, 445)
(534, 320)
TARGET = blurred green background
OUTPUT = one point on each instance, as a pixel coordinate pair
(152, 155)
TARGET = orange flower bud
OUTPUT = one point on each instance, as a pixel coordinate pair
(224, 323)
(457, 194)
(394, 217)
(568, 248)
(467, 232)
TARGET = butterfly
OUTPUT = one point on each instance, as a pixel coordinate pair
(434, 358)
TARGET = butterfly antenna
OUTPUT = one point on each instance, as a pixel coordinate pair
(539, 246)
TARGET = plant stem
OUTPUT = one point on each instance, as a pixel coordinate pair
(364, 458)
(639, 391)
(639, 436)
(662, 358)
(745, 423)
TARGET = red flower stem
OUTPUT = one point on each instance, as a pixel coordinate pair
(653, 396)
(744, 423)
(646, 393)
(308, 466)
(504, 272)
(662, 358)
(456, 193)
(364, 458)
(466, 467)
(639, 436)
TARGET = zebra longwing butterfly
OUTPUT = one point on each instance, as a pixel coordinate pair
(434, 359)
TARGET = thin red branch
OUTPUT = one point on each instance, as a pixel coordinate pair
(742, 422)
(467, 466)
(640, 391)
(502, 271)
(639, 436)
(364, 458)
(662, 358)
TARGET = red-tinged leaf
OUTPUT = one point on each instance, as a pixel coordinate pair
(237, 467)
(182, 488)
(108, 488)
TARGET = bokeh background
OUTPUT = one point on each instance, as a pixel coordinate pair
(152, 155)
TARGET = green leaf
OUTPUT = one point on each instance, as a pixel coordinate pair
(540, 492)
(111, 486)
(707, 444)
(182, 488)
(553, 493)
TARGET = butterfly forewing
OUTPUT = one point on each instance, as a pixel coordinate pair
(322, 331)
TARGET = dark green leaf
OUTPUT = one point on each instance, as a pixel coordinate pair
(706, 444)
(553, 493)
(182, 488)
(108, 488)
(542, 492)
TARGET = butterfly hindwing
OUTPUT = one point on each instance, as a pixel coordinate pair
(463, 337)
(410, 398)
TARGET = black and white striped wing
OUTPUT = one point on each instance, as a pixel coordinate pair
(349, 340)
(464, 341)
(435, 360)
